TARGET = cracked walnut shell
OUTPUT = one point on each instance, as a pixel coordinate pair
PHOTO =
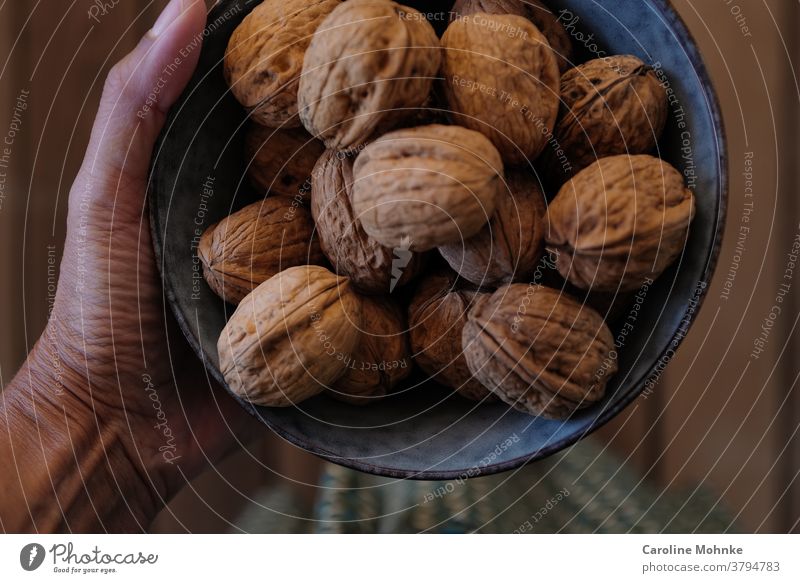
(381, 360)
(436, 317)
(609, 106)
(621, 221)
(291, 337)
(370, 65)
(265, 54)
(423, 187)
(253, 244)
(539, 350)
(501, 79)
(372, 268)
(508, 249)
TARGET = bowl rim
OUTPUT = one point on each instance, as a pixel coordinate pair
(678, 27)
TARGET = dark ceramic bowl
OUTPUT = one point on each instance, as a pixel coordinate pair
(425, 433)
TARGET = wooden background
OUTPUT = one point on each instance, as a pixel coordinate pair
(717, 418)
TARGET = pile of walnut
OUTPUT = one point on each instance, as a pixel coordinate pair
(404, 220)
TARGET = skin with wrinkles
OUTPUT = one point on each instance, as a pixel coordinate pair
(501, 79)
(253, 244)
(436, 320)
(370, 66)
(351, 251)
(84, 449)
(288, 340)
(539, 350)
(509, 247)
(615, 105)
(535, 11)
(619, 222)
(280, 161)
(427, 186)
(381, 360)
(265, 56)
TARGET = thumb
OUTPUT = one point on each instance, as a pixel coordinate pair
(137, 94)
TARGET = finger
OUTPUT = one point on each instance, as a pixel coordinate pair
(137, 94)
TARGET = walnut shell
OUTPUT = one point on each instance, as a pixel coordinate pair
(463, 8)
(508, 249)
(381, 360)
(619, 222)
(553, 30)
(501, 79)
(371, 267)
(427, 186)
(253, 244)
(539, 350)
(280, 161)
(436, 318)
(291, 337)
(613, 105)
(535, 11)
(369, 65)
(265, 54)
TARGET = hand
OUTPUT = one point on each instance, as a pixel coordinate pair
(112, 413)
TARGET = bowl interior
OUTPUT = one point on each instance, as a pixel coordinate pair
(198, 178)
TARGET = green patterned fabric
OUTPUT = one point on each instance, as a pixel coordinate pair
(581, 490)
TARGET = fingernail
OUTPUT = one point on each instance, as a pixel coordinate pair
(169, 15)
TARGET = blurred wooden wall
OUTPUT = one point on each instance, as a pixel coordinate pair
(704, 423)
(719, 417)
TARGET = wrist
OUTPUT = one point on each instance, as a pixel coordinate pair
(72, 462)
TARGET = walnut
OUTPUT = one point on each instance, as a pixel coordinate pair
(551, 28)
(371, 267)
(535, 11)
(381, 360)
(291, 337)
(619, 222)
(539, 350)
(613, 105)
(436, 318)
(265, 56)
(463, 8)
(427, 186)
(369, 65)
(508, 249)
(501, 79)
(255, 243)
(280, 161)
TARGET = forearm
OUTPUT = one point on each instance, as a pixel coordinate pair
(64, 467)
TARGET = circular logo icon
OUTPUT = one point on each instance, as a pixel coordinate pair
(31, 556)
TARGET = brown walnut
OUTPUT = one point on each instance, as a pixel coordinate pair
(371, 267)
(539, 350)
(436, 318)
(619, 222)
(381, 359)
(427, 186)
(553, 30)
(253, 244)
(265, 54)
(535, 11)
(291, 337)
(613, 105)
(370, 65)
(280, 161)
(501, 79)
(508, 249)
